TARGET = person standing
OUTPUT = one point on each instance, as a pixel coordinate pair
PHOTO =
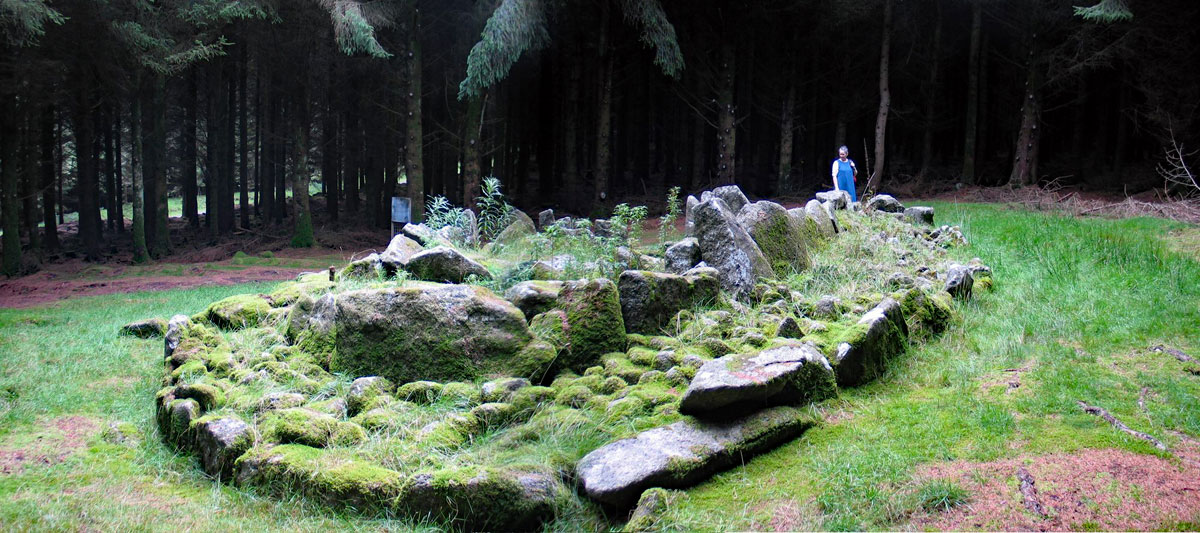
(845, 173)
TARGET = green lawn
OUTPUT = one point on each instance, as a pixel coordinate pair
(1076, 302)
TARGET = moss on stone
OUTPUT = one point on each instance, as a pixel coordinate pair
(288, 293)
(327, 478)
(494, 415)
(453, 431)
(301, 426)
(532, 397)
(534, 362)
(208, 396)
(574, 396)
(460, 394)
(594, 323)
(642, 356)
(612, 385)
(420, 392)
(618, 364)
(238, 311)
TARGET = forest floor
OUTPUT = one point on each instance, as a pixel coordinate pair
(937, 443)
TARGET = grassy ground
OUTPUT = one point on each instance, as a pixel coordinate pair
(1075, 306)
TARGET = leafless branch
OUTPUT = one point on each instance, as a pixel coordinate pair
(1174, 169)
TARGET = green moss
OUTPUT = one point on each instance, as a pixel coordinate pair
(650, 507)
(329, 479)
(532, 397)
(454, 431)
(573, 396)
(712, 348)
(208, 396)
(389, 418)
(550, 327)
(618, 364)
(289, 293)
(642, 356)
(122, 434)
(348, 434)
(535, 361)
(783, 242)
(494, 415)
(479, 498)
(835, 333)
(301, 426)
(189, 370)
(420, 392)
(627, 407)
(612, 385)
(594, 322)
(460, 394)
(237, 312)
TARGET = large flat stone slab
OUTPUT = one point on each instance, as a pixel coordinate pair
(790, 374)
(683, 454)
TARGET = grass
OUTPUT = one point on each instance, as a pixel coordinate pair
(1076, 304)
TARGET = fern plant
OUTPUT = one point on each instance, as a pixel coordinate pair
(667, 221)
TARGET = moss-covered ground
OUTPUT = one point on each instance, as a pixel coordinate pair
(1075, 306)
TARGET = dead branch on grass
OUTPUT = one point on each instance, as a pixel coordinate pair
(1029, 493)
(1103, 413)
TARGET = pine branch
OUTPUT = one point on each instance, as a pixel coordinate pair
(1106, 11)
(23, 21)
(515, 27)
(657, 32)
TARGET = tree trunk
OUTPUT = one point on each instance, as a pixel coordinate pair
(569, 194)
(603, 116)
(472, 126)
(29, 178)
(48, 178)
(786, 137)
(119, 193)
(303, 234)
(414, 142)
(330, 156)
(160, 244)
(191, 209)
(110, 170)
(243, 144)
(885, 100)
(87, 184)
(726, 117)
(212, 145)
(140, 254)
(931, 97)
(1024, 169)
(352, 152)
(228, 145)
(972, 118)
(8, 187)
(699, 132)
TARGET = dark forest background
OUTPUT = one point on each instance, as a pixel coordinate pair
(241, 108)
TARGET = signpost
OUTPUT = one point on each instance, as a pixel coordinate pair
(401, 212)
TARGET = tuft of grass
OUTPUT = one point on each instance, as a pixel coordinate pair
(941, 495)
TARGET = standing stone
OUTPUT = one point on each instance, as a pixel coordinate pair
(885, 203)
(520, 227)
(650, 299)
(831, 211)
(727, 247)
(820, 217)
(683, 255)
(959, 281)
(470, 227)
(780, 238)
(839, 199)
(682, 454)
(689, 205)
(444, 264)
(594, 325)
(788, 374)
(877, 337)
(733, 197)
(546, 218)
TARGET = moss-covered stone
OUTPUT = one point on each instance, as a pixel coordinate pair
(484, 498)
(420, 392)
(426, 331)
(574, 396)
(330, 479)
(781, 238)
(532, 397)
(208, 396)
(652, 504)
(145, 329)
(618, 364)
(594, 323)
(534, 361)
(453, 431)
(308, 427)
(494, 415)
(365, 391)
(393, 417)
(122, 434)
(238, 311)
(460, 394)
(289, 293)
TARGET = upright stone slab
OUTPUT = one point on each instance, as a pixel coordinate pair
(534, 297)
(398, 252)
(733, 197)
(220, 440)
(520, 227)
(959, 281)
(689, 205)
(818, 215)
(682, 454)
(879, 335)
(727, 247)
(919, 215)
(780, 238)
(650, 299)
(790, 374)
